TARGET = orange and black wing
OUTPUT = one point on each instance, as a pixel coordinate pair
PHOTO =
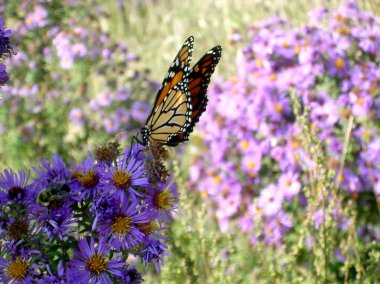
(199, 79)
(171, 110)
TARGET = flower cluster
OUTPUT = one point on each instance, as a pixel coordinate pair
(5, 48)
(79, 224)
(76, 63)
(256, 163)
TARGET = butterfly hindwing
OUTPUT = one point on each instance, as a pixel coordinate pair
(199, 79)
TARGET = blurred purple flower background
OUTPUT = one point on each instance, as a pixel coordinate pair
(256, 165)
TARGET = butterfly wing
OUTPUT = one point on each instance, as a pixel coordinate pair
(171, 110)
(199, 79)
(172, 116)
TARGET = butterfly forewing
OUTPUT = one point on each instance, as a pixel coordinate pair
(177, 70)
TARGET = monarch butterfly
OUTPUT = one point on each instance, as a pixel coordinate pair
(181, 99)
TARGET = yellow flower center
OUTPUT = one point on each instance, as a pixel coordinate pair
(339, 63)
(360, 101)
(297, 48)
(288, 182)
(97, 264)
(122, 179)
(75, 175)
(121, 225)
(259, 63)
(340, 178)
(278, 108)
(373, 90)
(217, 180)
(204, 194)
(294, 143)
(244, 144)
(147, 228)
(366, 135)
(164, 199)
(251, 165)
(90, 179)
(233, 79)
(17, 269)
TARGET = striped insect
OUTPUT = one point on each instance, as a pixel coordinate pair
(181, 99)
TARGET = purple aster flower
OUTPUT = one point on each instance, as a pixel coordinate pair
(77, 116)
(60, 223)
(14, 187)
(270, 200)
(161, 200)
(51, 278)
(228, 205)
(154, 251)
(128, 174)
(224, 224)
(92, 263)
(139, 111)
(235, 107)
(369, 38)
(284, 46)
(13, 248)
(361, 104)
(278, 108)
(120, 226)
(361, 77)
(246, 223)
(17, 270)
(289, 185)
(350, 181)
(79, 50)
(67, 60)
(122, 94)
(131, 276)
(3, 75)
(318, 218)
(5, 34)
(49, 173)
(88, 180)
(251, 162)
(38, 18)
(338, 66)
(324, 115)
(275, 227)
(111, 123)
(104, 99)
(372, 152)
(123, 115)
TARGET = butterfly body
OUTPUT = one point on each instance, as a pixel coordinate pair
(181, 99)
